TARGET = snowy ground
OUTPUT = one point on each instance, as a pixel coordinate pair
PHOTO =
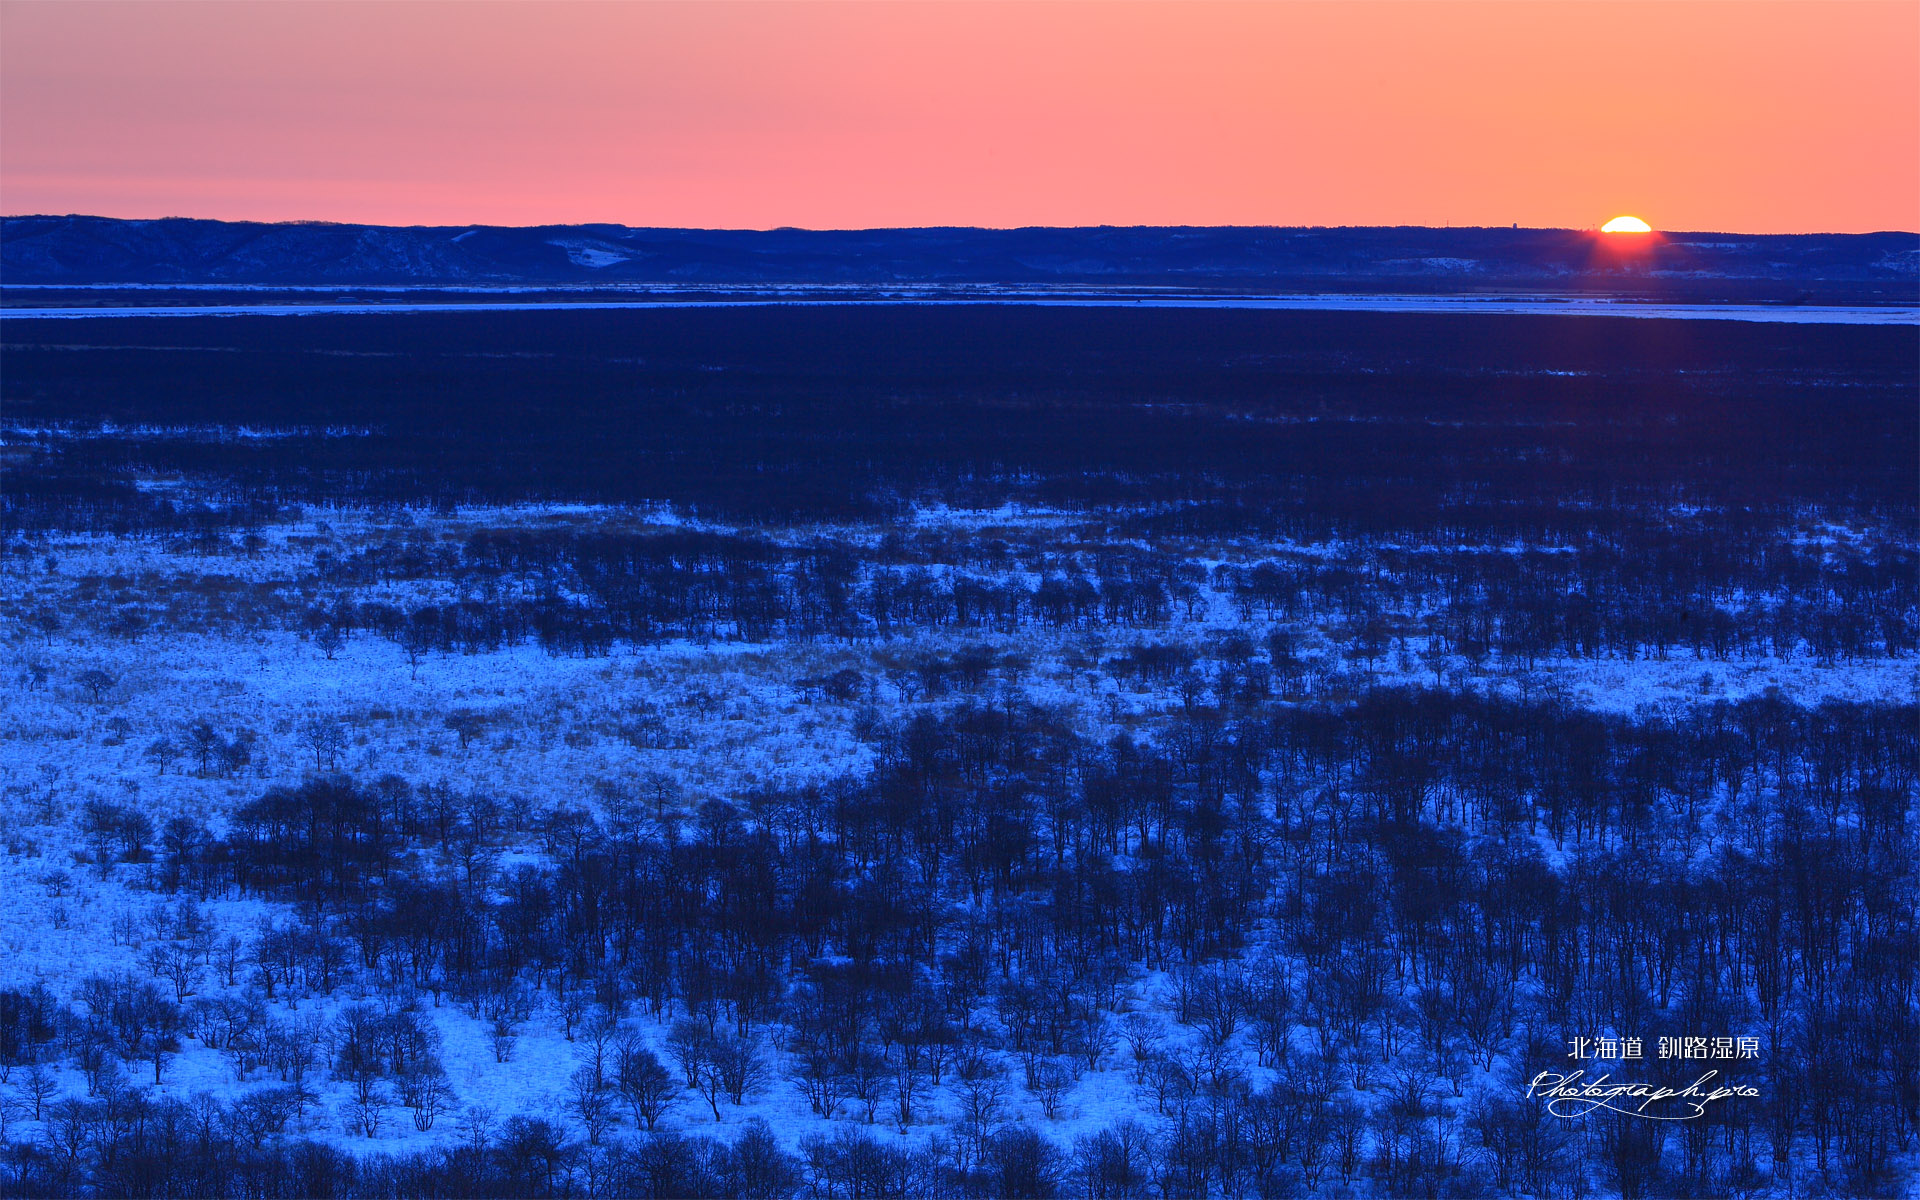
(552, 732)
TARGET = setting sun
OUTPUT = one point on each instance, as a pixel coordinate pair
(1626, 225)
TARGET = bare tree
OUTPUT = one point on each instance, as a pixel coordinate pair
(96, 682)
(326, 739)
(329, 639)
(204, 741)
(865, 1076)
(587, 1098)
(467, 723)
(501, 1037)
(231, 955)
(179, 969)
(692, 1047)
(416, 640)
(982, 1100)
(365, 1111)
(39, 1087)
(435, 1096)
(476, 1126)
(645, 1084)
(1051, 1082)
(163, 750)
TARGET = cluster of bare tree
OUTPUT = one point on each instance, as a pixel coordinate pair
(1356, 899)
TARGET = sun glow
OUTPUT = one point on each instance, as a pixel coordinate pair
(1626, 225)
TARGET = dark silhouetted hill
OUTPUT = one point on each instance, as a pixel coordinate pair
(81, 250)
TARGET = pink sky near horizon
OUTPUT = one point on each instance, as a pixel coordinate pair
(1747, 115)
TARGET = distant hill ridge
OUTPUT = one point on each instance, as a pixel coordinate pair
(82, 250)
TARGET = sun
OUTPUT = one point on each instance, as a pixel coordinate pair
(1626, 225)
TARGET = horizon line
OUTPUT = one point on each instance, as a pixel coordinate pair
(1510, 227)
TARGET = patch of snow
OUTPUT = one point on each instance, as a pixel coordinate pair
(584, 254)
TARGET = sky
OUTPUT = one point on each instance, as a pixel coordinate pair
(1757, 116)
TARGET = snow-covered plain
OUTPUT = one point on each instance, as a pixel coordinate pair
(740, 716)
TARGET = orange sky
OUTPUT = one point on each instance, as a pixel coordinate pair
(1729, 115)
